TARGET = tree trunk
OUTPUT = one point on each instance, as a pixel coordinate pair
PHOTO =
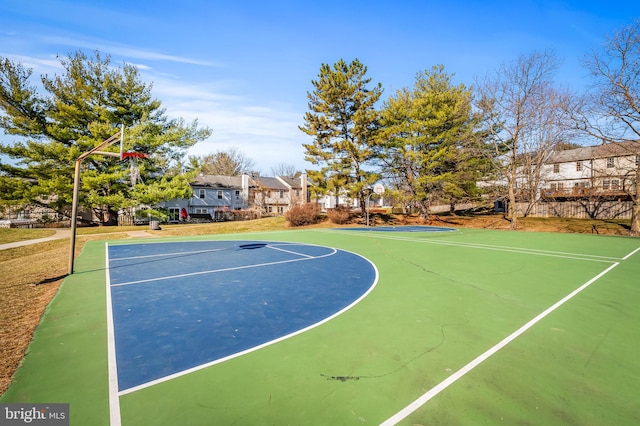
(512, 209)
(363, 208)
(635, 212)
(425, 209)
(635, 218)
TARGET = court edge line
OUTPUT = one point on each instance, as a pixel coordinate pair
(548, 253)
(255, 348)
(415, 405)
(114, 399)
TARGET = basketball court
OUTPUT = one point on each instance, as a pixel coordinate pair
(344, 327)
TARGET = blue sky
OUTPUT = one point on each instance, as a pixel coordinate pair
(243, 68)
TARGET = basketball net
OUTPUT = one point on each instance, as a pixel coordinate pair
(134, 170)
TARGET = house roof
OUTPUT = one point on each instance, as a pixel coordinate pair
(291, 181)
(269, 182)
(215, 181)
(613, 149)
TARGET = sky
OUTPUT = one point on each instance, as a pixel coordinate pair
(244, 68)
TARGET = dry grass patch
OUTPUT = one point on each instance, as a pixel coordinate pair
(10, 235)
(31, 277)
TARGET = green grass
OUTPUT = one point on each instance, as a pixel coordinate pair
(441, 301)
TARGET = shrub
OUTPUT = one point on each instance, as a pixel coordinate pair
(339, 215)
(306, 214)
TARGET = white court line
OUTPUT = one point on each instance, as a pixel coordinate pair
(234, 268)
(537, 252)
(114, 399)
(405, 412)
(289, 251)
(165, 254)
(255, 348)
(631, 254)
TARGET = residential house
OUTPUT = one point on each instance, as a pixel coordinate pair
(276, 195)
(216, 197)
(213, 197)
(298, 189)
(607, 170)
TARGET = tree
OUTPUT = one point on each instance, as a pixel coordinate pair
(428, 137)
(231, 162)
(610, 111)
(342, 120)
(283, 169)
(525, 119)
(79, 109)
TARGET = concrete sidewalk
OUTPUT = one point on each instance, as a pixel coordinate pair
(66, 233)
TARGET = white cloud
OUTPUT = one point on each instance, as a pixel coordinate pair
(267, 134)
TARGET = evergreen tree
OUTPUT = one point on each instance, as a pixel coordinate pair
(342, 120)
(428, 141)
(78, 110)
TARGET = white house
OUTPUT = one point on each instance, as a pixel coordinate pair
(604, 170)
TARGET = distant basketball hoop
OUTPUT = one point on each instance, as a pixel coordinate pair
(378, 188)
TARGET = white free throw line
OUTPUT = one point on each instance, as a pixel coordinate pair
(405, 412)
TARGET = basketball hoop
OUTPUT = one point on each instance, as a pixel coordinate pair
(133, 154)
(134, 171)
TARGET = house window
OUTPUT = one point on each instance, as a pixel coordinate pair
(637, 160)
(554, 186)
(615, 184)
(201, 211)
(611, 162)
(219, 195)
(556, 168)
(560, 185)
(201, 193)
(174, 213)
(281, 193)
(606, 184)
(579, 166)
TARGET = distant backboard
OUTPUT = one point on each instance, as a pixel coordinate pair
(378, 188)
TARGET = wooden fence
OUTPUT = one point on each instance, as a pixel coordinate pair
(580, 209)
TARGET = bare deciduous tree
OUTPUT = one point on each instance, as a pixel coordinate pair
(283, 169)
(610, 110)
(526, 118)
(231, 162)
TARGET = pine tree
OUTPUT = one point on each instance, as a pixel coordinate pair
(78, 110)
(342, 120)
(428, 138)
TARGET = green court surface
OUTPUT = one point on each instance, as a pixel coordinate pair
(468, 327)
